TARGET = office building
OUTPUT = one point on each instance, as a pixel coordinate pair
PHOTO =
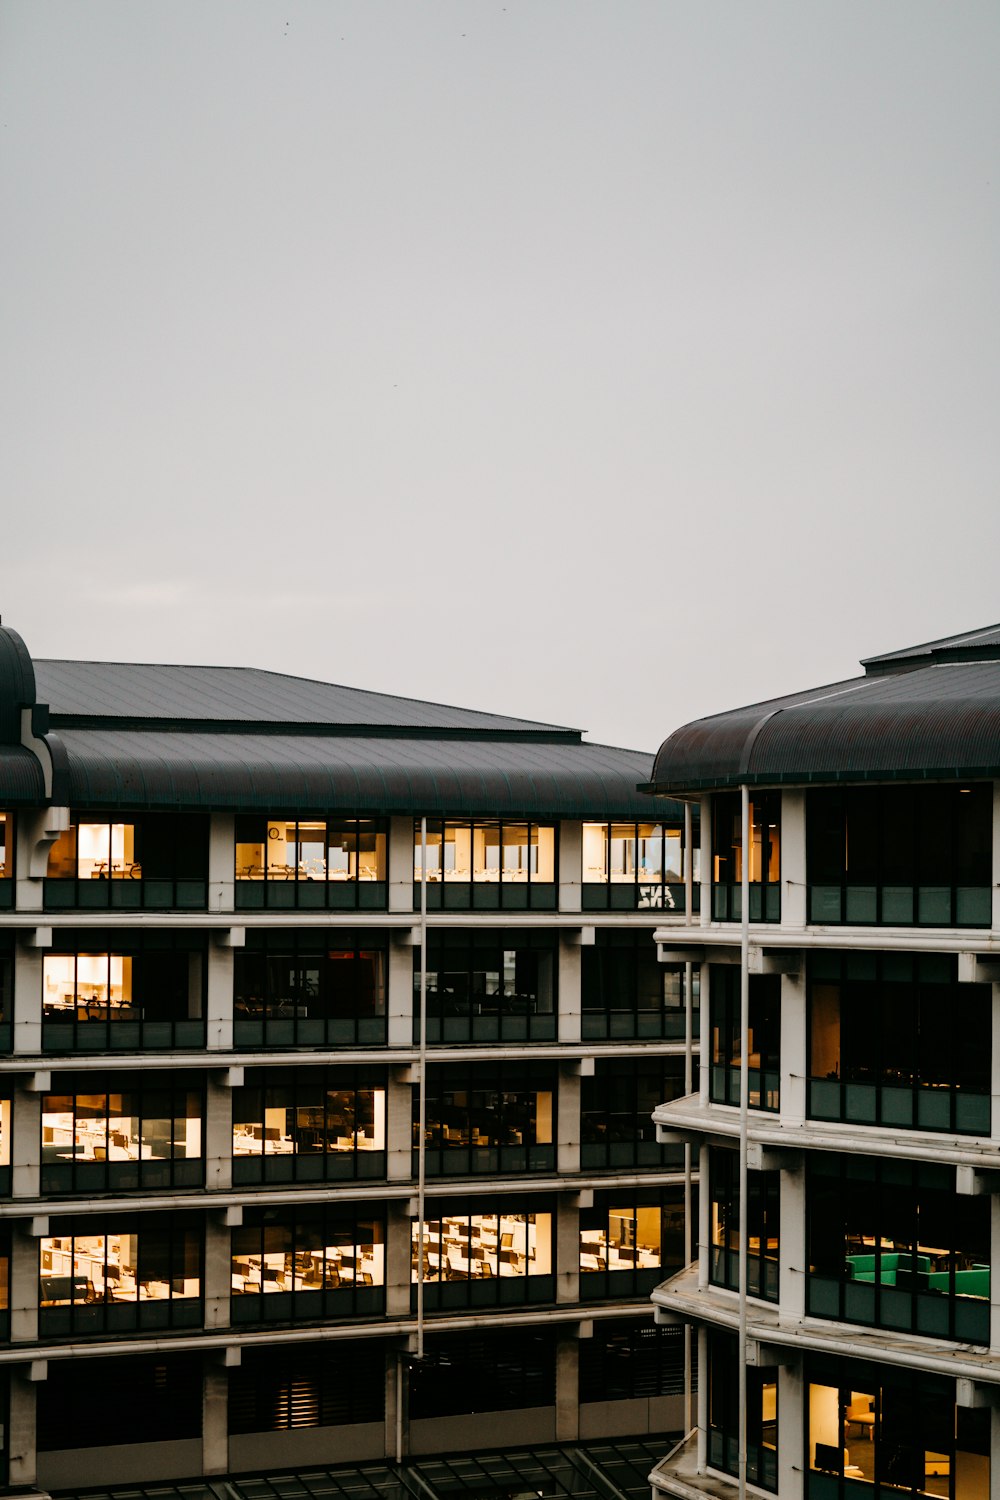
(846, 1119)
(212, 1257)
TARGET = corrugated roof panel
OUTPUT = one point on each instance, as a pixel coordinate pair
(21, 780)
(127, 690)
(130, 768)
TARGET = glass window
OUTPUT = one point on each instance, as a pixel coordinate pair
(765, 856)
(310, 988)
(626, 991)
(617, 1102)
(486, 864)
(87, 1403)
(488, 985)
(497, 1369)
(628, 1240)
(763, 1220)
(142, 1272)
(144, 1132)
(492, 1118)
(337, 863)
(156, 860)
(634, 866)
(307, 1262)
(309, 1125)
(895, 1040)
(148, 997)
(763, 1041)
(761, 1409)
(501, 1254)
(7, 846)
(303, 1385)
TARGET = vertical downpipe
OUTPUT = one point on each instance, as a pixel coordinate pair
(741, 1352)
(422, 1094)
(689, 1235)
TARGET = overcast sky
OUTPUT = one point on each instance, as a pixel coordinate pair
(607, 363)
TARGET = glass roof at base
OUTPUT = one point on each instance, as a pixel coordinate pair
(613, 1470)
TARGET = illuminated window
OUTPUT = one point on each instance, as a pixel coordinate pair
(308, 1124)
(142, 1133)
(487, 865)
(157, 861)
(314, 862)
(149, 997)
(501, 1256)
(307, 1262)
(137, 1273)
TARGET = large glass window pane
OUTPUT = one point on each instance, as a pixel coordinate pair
(595, 853)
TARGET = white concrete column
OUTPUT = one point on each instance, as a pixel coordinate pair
(401, 1000)
(26, 1139)
(398, 1259)
(399, 1123)
(702, 1398)
(568, 1115)
(566, 1231)
(215, 1414)
(396, 1426)
(36, 831)
(995, 924)
(568, 990)
(28, 960)
(703, 1246)
(219, 1000)
(401, 864)
(794, 1068)
(219, 1127)
(994, 1064)
(567, 1388)
(705, 841)
(704, 1060)
(791, 1429)
(570, 865)
(24, 1270)
(23, 1408)
(793, 858)
(222, 862)
(994, 1287)
(217, 1274)
(792, 1243)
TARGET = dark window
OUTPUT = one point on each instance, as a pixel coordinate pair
(765, 857)
(308, 1385)
(763, 1043)
(900, 856)
(895, 1431)
(4, 1283)
(309, 1262)
(895, 1040)
(763, 1220)
(723, 1419)
(891, 1244)
(121, 1274)
(502, 1254)
(498, 1370)
(119, 991)
(109, 1134)
(616, 1126)
(630, 1241)
(623, 1360)
(635, 867)
(97, 1403)
(492, 1118)
(311, 863)
(311, 988)
(154, 861)
(309, 1125)
(627, 993)
(488, 986)
(8, 844)
(6, 991)
(484, 865)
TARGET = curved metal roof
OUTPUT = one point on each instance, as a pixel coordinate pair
(907, 722)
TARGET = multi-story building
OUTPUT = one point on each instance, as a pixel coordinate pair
(226, 1243)
(846, 1120)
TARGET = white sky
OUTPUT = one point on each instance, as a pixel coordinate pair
(607, 363)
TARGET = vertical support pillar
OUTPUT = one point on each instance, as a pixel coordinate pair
(219, 1126)
(24, 1271)
(400, 998)
(703, 1249)
(569, 989)
(215, 1414)
(23, 1425)
(791, 1428)
(222, 862)
(995, 1064)
(567, 1388)
(217, 1274)
(794, 1064)
(704, 1031)
(567, 1243)
(219, 1000)
(703, 1385)
(26, 1135)
(995, 882)
(397, 1379)
(793, 858)
(401, 864)
(705, 841)
(398, 1259)
(994, 1261)
(792, 1242)
(568, 1116)
(570, 866)
(28, 961)
(399, 1132)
